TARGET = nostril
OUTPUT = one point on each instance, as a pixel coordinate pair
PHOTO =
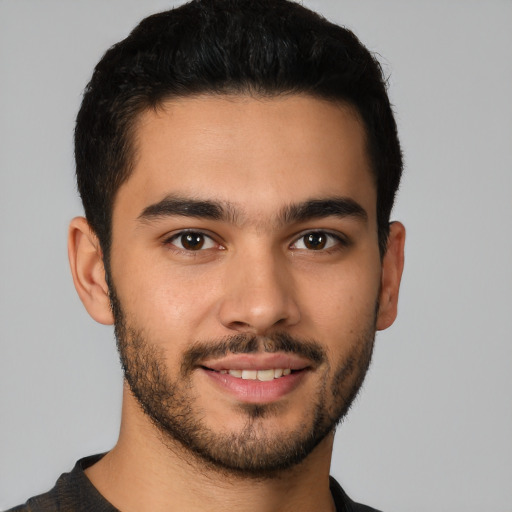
(239, 325)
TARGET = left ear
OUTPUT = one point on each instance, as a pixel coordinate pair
(392, 267)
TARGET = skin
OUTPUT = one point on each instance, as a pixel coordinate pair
(254, 275)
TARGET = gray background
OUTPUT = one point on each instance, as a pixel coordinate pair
(432, 429)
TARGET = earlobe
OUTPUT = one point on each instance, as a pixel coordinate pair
(392, 268)
(86, 262)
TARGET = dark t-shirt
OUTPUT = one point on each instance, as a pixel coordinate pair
(74, 492)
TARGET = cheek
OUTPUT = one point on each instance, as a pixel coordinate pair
(344, 312)
(169, 303)
(341, 304)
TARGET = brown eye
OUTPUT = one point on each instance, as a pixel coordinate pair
(192, 241)
(315, 241)
(318, 241)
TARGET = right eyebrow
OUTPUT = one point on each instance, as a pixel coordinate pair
(172, 205)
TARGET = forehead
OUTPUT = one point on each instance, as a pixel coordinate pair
(256, 153)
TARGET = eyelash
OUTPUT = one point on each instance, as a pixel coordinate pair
(333, 242)
(206, 238)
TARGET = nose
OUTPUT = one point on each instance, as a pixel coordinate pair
(259, 295)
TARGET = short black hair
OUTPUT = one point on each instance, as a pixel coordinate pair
(258, 47)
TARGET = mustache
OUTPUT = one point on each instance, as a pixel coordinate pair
(251, 344)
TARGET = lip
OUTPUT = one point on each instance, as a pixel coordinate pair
(261, 361)
(255, 391)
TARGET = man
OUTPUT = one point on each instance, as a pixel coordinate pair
(237, 162)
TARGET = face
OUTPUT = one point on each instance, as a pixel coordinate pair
(246, 274)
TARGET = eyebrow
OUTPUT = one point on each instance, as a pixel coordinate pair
(319, 208)
(311, 209)
(180, 206)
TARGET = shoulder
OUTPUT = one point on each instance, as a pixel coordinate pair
(41, 503)
(343, 502)
(358, 507)
(73, 492)
(55, 499)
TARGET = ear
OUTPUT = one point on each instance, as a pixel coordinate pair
(392, 267)
(86, 261)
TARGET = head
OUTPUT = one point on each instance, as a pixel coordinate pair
(267, 48)
(238, 161)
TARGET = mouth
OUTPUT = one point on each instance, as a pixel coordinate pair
(265, 375)
(257, 378)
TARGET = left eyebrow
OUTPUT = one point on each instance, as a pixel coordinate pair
(319, 208)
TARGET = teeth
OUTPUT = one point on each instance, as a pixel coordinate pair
(261, 375)
(265, 375)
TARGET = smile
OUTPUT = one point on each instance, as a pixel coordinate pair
(257, 377)
(256, 386)
(261, 375)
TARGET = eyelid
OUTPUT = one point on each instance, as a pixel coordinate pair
(341, 239)
(169, 238)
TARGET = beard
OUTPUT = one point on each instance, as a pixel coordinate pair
(252, 451)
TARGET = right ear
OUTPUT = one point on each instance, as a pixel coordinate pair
(86, 262)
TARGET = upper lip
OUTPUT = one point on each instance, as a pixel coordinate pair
(258, 361)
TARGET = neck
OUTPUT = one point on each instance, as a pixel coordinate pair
(145, 472)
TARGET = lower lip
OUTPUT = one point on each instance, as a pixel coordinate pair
(256, 391)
